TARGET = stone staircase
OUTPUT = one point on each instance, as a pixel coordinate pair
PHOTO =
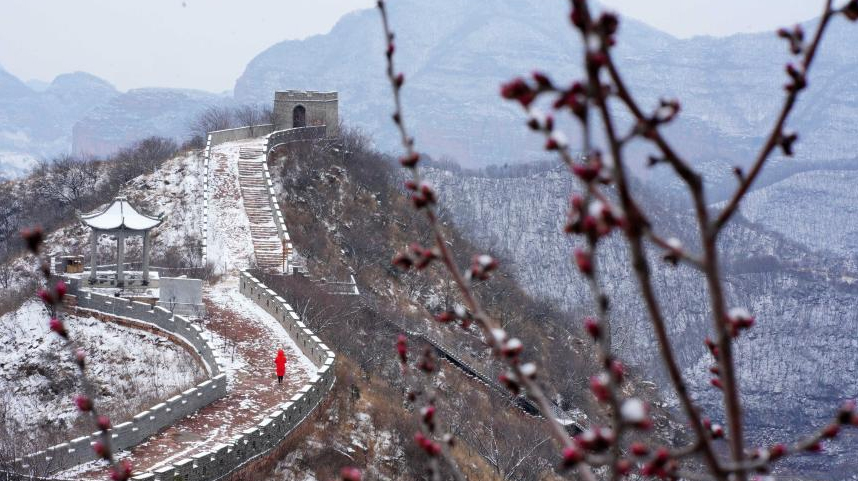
(266, 244)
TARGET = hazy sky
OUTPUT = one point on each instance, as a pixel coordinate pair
(177, 43)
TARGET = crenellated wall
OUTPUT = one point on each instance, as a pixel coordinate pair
(299, 134)
(258, 441)
(158, 417)
(207, 154)
(240, 133)
(241, 450)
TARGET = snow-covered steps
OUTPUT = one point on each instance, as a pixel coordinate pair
(267, 245)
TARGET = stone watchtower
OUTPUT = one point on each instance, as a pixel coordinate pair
(299, 108)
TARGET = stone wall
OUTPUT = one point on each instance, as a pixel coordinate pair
(280, 137)
(240, 133)
(254, 443)
(242, 450)
(207, 154)
(152, 420)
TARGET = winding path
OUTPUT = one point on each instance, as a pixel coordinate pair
(246, 335)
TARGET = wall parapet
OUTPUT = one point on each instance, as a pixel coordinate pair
(156, 418)
(240, 133)
(207, 154)
(297, 134)
(224, 459)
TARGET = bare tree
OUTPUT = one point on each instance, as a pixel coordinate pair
(211, 119)
(248, 115)
(67, 180)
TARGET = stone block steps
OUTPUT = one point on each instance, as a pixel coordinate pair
(267, 246)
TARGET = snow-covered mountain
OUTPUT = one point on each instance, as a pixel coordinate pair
(796, 365)
(456, 53)
(38, 123)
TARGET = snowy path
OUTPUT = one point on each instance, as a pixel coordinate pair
(248, 336)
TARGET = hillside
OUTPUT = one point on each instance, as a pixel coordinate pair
(794, 289)
(360, 218)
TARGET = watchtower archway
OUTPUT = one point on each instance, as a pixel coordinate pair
(299, 116)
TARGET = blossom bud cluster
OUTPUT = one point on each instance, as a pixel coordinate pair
(795, 37)
(417, 256)
(458, 312)
(422, 194)
(482, 266)
(595, 219)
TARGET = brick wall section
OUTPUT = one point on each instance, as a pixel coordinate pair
(207, 155)
(154, 419)
(241, 133)
(256, 443)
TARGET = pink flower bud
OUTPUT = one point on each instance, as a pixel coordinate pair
(58, 327)
(46, 297)
(624, 467)
(846, 412)
(121, 472)
(542, 80)
(101, 450)
(509, 381)
(639, 449)
(572, 456)
(814, 448)
(402, 348)
(428, 413)
(410, 160)
(513, 347)
(403, 261)
(103, 423)
(350, 474)
(61, 289)
(777, 451)
(591, 325)
(715, 382)
(599, 386)
(584, 261)
(399, 80)
(717, 431)
(83, 403)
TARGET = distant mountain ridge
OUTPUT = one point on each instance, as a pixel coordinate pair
(456, 53)
(84, 114)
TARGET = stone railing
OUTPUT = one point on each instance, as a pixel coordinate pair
(207, 154)
(297, 134)
(279, 222)
(240, 133)
(151, 421)
(254, 443)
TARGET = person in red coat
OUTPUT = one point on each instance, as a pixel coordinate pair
(280, 363)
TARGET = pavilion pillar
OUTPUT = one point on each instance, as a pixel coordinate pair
(93, 253)
(120, 258)
(145, 257)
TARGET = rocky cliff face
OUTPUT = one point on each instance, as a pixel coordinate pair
(795, 365)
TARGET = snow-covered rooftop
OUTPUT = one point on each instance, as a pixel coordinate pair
(119, 215)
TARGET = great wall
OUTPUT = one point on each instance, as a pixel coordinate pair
(274, 254)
